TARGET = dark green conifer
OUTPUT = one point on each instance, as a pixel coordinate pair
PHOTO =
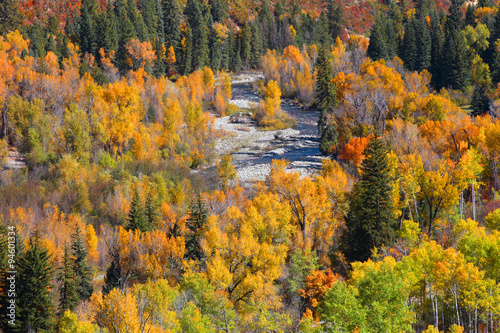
(326, 92)
(152, 210)
(424, 43)
(245, 45)
(172, 17)
(322, 31)
(82, 270)
(455, 61)
(148, 11)
(470, 18)
(196, 224)
(480, 102)
(218, 10)
(370, 220)
(107, 37)
(68, 292)
(377, 48)
(255, 45)
(35, 310)
(187, 54)
(10, 16)
(198, 25)
(409, 47)
(115, 276)
(136, 216)
(335, 17)
(88, 35)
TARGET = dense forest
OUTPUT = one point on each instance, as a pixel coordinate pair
(117, 213)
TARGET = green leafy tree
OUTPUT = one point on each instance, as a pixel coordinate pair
(172, 17)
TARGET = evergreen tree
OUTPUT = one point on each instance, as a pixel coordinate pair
(10, 16)
(187, 54)
(152, 208)
(115, 277)
(87, 27)
(137, 21)
(326, 92)
(377, 48)
(136, 216)
(34, 305)
(455, 61)
(335, 18)
(490, 55)
(172, 17)
(255, 45)
(370, 219)
(68, 292)
(198, 25)
(322, 31)
(82, 270)
(437, 42)
(218, 10)
(480, 102)
(196, 225)
(470, 18)
(329, 137)
(107, 36)
(245, 45)
(326, 99)
(409, 51)
(126, 32)
(455, 21)
(424, 43)
(148, 11)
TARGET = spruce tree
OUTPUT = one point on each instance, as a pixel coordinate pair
(218, 10)
(152, 214)
(437, 41)
(35, 310)
(68, 292)
(424, 45)
(82, 270)
(480, 102)
(172, 17)
(326, 92)
(377, 48)
(370, 220)
(335, 17)
(196, 224)
(136, 216)
(10, 16)
(322, 31)
(107, 36)
(255, 45)
(187, 54)
(455, 61)
(88, 27)
(409, 52)
(199, 29)
(149, 13)
(115, 276)
(245, 45)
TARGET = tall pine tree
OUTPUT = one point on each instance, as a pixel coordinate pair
(370, 220)
(35, 310)
(196, 225)
(83, 271)
(198, 25)
(68, 292)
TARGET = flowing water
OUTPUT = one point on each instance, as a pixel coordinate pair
(301, 148)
